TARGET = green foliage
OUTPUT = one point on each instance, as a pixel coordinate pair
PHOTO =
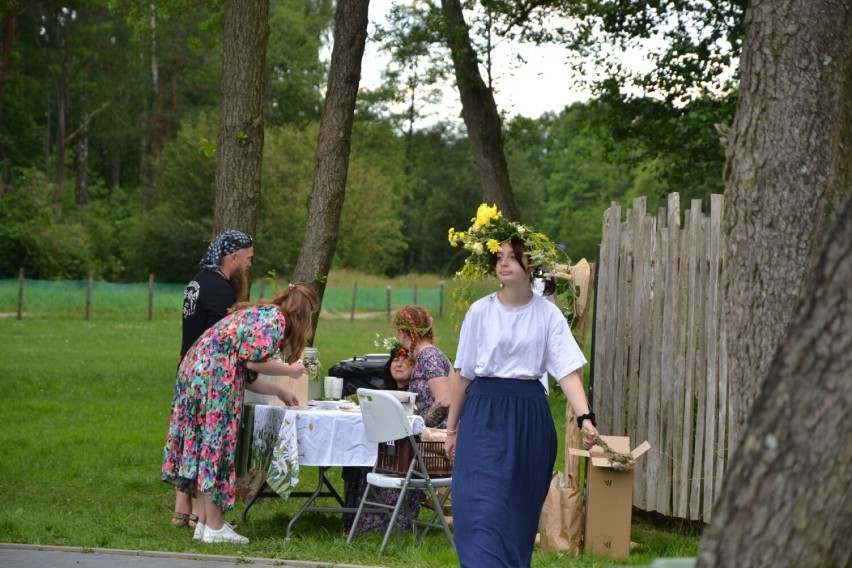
(666, 114)
(32, 239)
(295, 73)
(165, 243)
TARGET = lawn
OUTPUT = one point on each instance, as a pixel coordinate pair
(86, 407)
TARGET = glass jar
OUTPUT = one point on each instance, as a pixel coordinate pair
(312, 362)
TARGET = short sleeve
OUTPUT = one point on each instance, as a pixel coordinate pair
(261, 335)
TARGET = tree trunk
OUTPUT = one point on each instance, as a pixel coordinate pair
(240, 149)
(479, 111)
(7, 39)
(333, 144)
(81, 163)
(788, 169)
(786, 497)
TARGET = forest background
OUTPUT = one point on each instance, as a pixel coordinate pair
(109, 119)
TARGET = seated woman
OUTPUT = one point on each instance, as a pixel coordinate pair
(397, 373)
(430, 367)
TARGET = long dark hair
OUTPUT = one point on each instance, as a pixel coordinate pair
(519, 250)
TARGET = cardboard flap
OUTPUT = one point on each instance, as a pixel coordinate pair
(576, 452)
(640, 449)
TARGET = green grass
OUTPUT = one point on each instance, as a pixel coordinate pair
(85, 407)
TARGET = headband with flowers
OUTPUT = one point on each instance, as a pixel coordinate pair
(392, 346)
(488, 231)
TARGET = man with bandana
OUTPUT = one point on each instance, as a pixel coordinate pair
(221, 282)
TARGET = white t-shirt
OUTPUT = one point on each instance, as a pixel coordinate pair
(516, 343)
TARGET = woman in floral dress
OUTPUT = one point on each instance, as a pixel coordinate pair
(208, 398)
(430, 367)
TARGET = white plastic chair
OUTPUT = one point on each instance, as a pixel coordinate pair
(385, 420)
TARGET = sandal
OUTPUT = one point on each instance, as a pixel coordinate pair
(183, 519)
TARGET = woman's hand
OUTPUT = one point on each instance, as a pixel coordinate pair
(288, 398)
(589, 432)
(297, 369)
(450, 447)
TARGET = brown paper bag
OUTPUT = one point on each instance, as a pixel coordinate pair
(561, 525)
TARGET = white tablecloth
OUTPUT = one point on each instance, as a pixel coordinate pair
(308, 437)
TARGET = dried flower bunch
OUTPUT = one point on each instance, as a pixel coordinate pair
(619, 461)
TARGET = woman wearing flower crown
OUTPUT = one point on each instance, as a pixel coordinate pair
(500, 432)
(430, 367)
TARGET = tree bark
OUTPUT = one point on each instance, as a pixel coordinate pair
(787, 171)
(786, 498)
(785, 501)
(333, 144)
(81, 165)
(240, 148)
(479, 111)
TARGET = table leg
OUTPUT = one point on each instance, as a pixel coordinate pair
(321, 480)
(258, 494)
(330, 491)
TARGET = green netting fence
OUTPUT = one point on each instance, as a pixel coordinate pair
(63, 295)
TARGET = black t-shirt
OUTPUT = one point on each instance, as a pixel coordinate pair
(205, 301)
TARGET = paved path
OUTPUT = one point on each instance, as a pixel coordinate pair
(37, 556)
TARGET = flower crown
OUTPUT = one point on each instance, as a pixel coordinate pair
(488, 231)
(392, 346)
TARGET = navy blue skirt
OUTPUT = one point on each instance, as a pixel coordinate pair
(504, 462)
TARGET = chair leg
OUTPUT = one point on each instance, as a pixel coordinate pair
(442, 499)
(400, 503)
(438, 512)
(358, 514)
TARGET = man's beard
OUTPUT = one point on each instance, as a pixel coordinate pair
(240, 283)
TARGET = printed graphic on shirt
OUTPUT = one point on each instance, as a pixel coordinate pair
(190, 298)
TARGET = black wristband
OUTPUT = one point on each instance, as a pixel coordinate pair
(590, 416)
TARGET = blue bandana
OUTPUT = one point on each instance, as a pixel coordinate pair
(224, 244)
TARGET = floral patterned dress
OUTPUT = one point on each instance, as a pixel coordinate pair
(430, 362)
(208, 399)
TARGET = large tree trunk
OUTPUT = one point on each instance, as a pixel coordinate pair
(788, 169)
(333, 144)
(479, 111)
(785, 501)
(787, 494)
(239, 153)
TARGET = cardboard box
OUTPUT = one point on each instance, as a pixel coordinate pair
(299, 386)
(609, 498)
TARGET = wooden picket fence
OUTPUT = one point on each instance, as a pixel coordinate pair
(660, 358)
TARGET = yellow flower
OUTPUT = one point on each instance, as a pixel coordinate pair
(493, 245)
(484, 215)
(452, 237)
(477, 248)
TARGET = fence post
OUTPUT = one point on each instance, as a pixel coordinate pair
(89, 298)
(20, 291)
(389, 302)
(441, 299)
(354, 300)
(415, 293)
(150, 297)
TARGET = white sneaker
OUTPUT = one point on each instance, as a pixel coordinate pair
(199, 531)
(225, 534)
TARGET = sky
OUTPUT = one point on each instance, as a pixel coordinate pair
(542, 84)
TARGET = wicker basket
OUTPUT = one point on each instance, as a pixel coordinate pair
(394, 458)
